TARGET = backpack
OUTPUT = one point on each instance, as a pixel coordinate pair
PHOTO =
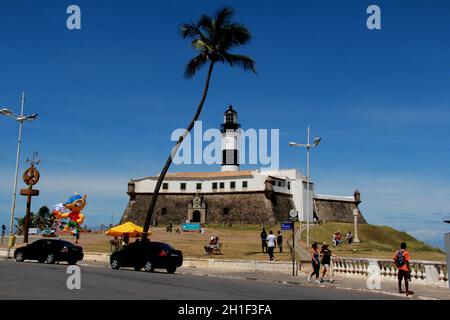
(399, 258)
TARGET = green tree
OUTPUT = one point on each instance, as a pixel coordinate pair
(212, 37)
(20, 223)
(43, 219)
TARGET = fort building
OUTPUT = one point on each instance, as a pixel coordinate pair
(233, 195)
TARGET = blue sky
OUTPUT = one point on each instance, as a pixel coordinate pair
(110, 94)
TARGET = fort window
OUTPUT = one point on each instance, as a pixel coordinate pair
(183, 186)
(214, 186)
(279, 183)
(233, 185)
(289, 185)
(163, 211)
(199, 186)
(165, 186)
(222, 185)
(225, 211)
(244, 184)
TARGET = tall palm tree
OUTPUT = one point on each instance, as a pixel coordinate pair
(212, 37)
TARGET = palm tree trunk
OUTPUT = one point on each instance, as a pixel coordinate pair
(173, 153)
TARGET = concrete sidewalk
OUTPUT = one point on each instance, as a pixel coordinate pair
(421, 292)
(344, 283)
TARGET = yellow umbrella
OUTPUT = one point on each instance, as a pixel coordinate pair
(128, 227)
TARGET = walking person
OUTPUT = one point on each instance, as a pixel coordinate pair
(349, 237)
(315, 262)
(271, 244)
(326, 254)
(264, 240)
(280, 241)
(401, 259)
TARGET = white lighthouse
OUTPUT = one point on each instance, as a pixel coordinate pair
(230, 141)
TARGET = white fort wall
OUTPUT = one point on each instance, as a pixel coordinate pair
(288, 181)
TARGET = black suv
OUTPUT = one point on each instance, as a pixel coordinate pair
(148, 255)
(50, 251)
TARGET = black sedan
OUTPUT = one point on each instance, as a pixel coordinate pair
(148, 255)
(50, 251)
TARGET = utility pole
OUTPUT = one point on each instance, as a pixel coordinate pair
(20, 118)
(308, 147)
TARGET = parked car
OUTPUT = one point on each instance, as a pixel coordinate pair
(50, 251)
(49, 233)
(148, 255)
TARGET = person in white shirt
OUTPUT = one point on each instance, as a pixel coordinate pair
(271, 244)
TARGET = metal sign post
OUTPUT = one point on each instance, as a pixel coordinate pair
(293, 217)
(285, 226)
(30, 177)
(293, 250)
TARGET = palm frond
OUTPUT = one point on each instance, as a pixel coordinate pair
(213, 36)
(244, 62)
(234, 34)
(190, 30)
(223, 16)
(205, 23)
(194, 65)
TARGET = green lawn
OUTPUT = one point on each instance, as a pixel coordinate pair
(376, 241)
(243, 241)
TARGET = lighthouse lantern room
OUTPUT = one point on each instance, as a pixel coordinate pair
(230, 141)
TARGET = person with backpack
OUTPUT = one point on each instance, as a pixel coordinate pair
(280, 241)
(264, 240)
(401, 259)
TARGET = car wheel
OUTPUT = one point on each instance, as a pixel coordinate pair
(71, 262)
(148, 267)
(20, 257)
(137, 268)
(115, 264)
(171, 269)
(50, 258)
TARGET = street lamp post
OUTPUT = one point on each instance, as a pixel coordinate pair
(308, 146)
(20, 118)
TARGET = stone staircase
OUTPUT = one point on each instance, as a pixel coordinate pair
(301, 252)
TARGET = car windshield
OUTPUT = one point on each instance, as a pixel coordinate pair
(37, 243)
(164, 246)
(66, 243)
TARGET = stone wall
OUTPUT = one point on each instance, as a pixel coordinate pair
(335, 210)
(247, 207)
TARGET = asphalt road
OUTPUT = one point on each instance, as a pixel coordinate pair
(30, 280)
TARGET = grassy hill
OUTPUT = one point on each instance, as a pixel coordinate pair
(376, 241)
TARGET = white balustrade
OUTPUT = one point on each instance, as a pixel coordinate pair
(388, 270)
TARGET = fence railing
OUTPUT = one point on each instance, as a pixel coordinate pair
(423, 272)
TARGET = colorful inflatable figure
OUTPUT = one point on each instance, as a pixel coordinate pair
(72, 210)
